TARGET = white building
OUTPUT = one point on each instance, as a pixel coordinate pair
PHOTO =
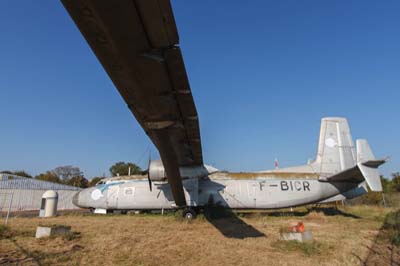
(25, 194)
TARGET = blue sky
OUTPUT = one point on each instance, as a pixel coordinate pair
(263, 74)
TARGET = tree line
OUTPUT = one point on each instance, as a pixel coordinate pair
(73, 176)
(391, 185)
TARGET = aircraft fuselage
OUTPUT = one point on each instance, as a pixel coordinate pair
(260, 193)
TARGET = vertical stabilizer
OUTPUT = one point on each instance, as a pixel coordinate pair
(368, 165)
(364, 152)
(365, 169)
(335, 149)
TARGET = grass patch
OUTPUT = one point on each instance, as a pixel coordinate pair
(5, 231)
(392, 227)
(71, 236)
(306, 248)
(212, 239)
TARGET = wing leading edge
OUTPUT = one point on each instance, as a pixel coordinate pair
(136, 41)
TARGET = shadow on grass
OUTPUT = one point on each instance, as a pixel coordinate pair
(38, 257)
(229, 224)
(386, 248)
(27, 253)
(330, 211)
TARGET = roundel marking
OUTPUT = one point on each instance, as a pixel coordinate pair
(96, 194)
(330, 142)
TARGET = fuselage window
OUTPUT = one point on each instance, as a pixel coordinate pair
(129, 191)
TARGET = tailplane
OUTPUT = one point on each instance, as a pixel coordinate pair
(368, 165)
(338, 160)
(365, 169)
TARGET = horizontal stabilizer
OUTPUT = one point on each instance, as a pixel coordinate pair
(371, 175)
(368, 165)
(366, 169)
(374, 163)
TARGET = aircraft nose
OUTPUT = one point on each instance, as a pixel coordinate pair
(75, 199)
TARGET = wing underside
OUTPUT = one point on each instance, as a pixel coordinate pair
(136, 41)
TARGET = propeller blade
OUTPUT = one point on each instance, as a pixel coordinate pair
(148, 174)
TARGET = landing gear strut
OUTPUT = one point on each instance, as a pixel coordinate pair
(189, 214)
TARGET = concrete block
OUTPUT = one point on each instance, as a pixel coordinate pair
(301, 237)
(47, 231)
(100, 211)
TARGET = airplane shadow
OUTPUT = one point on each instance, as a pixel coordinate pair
(328, 211)
(334, 211)
(229, 224)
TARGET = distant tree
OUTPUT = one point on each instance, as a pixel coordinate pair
(94, 181)
(122, 168)
(77, 181)
(22, 173)
(18, 173)
(396, 182)
(67, 172)
(49, 176)
(6, 172)
(386, 184)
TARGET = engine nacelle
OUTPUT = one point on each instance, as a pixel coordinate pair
(157, 171)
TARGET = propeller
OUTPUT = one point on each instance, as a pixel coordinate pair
(148, 174)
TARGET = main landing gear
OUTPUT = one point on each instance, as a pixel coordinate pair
(189, 214)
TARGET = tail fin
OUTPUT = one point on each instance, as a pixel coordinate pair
(364, 152)
(335, 149)
(368, 165)
(365, 169)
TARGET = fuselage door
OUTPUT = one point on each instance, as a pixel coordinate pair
(112, 196)
(251, 193)
(262, 194)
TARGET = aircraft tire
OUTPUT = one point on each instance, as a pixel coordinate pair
(189, 214)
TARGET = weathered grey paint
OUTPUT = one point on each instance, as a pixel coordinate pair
(336, 174)
(230, 193)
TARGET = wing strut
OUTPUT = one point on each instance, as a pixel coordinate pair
(171, 166)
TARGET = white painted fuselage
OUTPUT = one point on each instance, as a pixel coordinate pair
(260, 193)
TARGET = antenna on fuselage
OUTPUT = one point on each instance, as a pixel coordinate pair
(276, 163)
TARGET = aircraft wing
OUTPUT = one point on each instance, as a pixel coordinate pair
(136, 41)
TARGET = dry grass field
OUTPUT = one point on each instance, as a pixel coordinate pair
(343, 237)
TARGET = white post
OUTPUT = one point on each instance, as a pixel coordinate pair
(383, 199)
(9, 207)
(129, 171)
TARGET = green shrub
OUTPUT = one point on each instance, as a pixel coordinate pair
(392, 226)
(5, 231)
(307, 248)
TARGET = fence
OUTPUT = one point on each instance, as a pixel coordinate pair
(25, 194)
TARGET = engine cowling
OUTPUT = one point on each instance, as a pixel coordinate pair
(157, 171)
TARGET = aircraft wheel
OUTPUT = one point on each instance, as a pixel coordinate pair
(189, 214)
